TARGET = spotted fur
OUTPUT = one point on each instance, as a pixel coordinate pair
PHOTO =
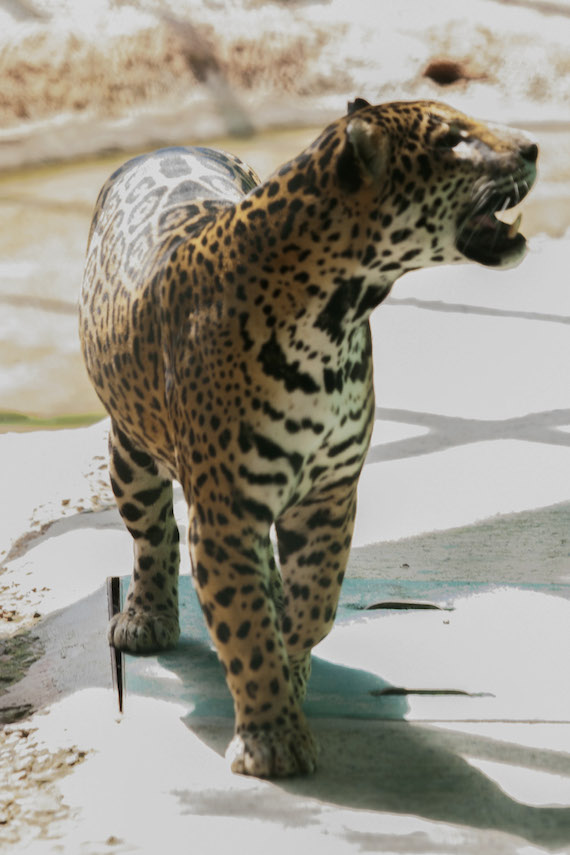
(225, 328)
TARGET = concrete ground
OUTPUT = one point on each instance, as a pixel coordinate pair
(442, 730)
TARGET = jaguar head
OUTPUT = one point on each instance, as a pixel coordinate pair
(441, 179)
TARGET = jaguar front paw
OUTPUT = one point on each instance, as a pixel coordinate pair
(273, 751)
(139, 632)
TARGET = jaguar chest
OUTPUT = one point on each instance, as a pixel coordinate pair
(296, 437)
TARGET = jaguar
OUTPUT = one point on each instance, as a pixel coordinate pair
(225, 327)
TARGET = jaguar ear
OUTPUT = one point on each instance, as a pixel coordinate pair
(355, 105)
(363, 156)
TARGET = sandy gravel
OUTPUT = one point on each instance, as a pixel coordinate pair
(30, 803)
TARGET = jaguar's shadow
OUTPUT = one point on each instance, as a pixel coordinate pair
(335, 691)
(384, 764)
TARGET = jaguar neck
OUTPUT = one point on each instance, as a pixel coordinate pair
(307, 251)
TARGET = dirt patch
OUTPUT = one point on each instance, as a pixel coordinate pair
(17, 654)
(52, 71)
(198, 70)
(54, 68)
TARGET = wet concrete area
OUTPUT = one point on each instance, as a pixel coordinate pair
(44, 221)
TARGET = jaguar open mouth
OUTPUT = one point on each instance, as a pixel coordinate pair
(483, 237)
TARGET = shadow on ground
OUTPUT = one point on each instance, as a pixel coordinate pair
(389, 766)
(412, 769)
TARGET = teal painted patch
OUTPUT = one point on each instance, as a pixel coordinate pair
(191, 676)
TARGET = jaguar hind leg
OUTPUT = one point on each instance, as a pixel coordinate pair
(149, 621)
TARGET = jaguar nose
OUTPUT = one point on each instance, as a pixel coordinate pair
(529, 152)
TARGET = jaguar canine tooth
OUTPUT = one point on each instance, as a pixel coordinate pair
(514, 227)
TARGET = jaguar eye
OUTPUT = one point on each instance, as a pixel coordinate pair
(450, 139)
